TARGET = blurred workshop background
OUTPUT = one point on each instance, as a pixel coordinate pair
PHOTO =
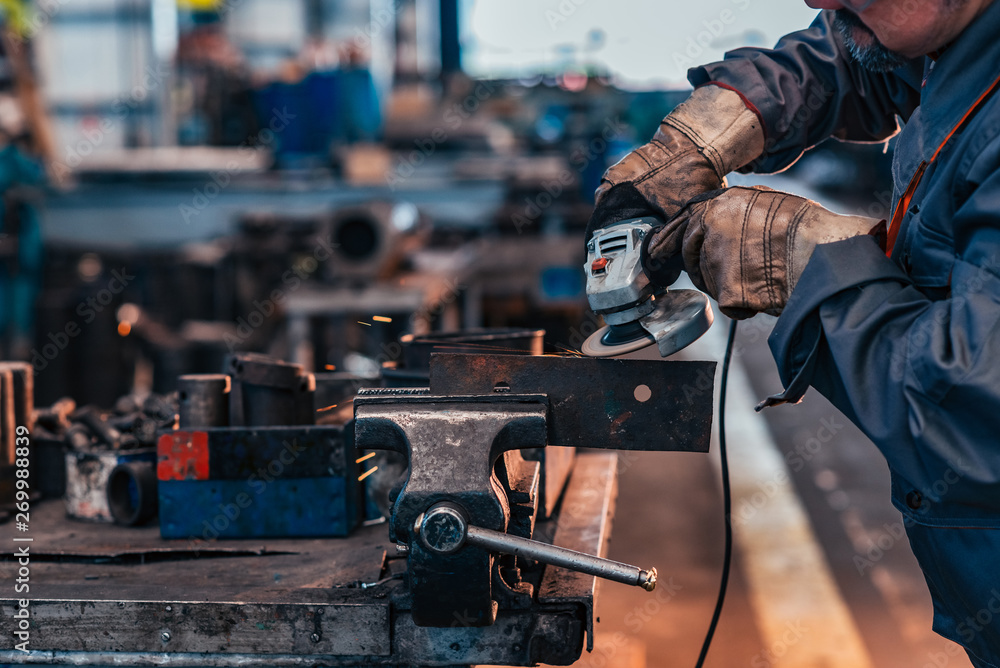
(187, 180)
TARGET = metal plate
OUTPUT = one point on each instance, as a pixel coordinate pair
(597, 403)
(195, 626)
(556, 466)
(552, 635)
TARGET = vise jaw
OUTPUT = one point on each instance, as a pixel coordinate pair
(469, 497)
(452, 444)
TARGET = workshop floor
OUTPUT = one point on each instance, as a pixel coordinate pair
(821, 575)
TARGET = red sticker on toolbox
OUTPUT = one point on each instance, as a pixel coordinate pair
(182, 455)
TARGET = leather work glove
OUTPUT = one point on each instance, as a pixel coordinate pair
(747, 246)
(709, 135)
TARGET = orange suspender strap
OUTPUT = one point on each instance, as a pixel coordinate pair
(904, 201)
(902, 206)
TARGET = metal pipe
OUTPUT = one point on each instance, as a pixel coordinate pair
(495, 541)
(204, 400)
(131, 493)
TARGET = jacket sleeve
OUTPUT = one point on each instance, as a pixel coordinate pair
(808, 88)
(919, 376)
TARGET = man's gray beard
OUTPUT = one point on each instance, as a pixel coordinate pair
(874, 57)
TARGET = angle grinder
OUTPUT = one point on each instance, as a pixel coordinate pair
(637, 312)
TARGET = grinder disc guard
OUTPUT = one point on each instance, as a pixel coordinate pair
(678, 320)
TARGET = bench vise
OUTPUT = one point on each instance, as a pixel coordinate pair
(477, 442)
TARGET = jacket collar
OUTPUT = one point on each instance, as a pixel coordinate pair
(959, 75)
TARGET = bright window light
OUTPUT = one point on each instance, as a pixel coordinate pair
(643, 44)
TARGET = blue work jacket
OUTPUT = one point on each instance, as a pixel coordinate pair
(908, 348)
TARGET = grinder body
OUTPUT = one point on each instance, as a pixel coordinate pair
(637, 312)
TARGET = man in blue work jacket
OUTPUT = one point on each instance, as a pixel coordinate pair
(899, 324)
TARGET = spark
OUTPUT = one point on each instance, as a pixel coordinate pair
(124, 328)
(366, 457)
(367, 473)
(381, 318)
(570, 351)
(366, 324)
(331, 367)
(321, 410)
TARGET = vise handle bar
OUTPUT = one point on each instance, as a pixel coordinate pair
(444, 529)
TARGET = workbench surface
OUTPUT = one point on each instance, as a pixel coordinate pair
(102, 594)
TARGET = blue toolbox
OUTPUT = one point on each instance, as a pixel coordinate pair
(255, 482)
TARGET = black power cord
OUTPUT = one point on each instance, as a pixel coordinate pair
(727, 501)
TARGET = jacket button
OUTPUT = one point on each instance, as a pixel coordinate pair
(915, 500)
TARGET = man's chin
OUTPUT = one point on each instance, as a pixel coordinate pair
(863, 44)
(862, 37)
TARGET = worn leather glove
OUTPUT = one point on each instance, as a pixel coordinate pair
(747, 246)
(709, 135)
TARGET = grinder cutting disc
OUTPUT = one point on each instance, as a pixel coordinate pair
(612, 340)
(678, 319)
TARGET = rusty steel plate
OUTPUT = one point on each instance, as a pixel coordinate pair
(597, 403)
(237, 627)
